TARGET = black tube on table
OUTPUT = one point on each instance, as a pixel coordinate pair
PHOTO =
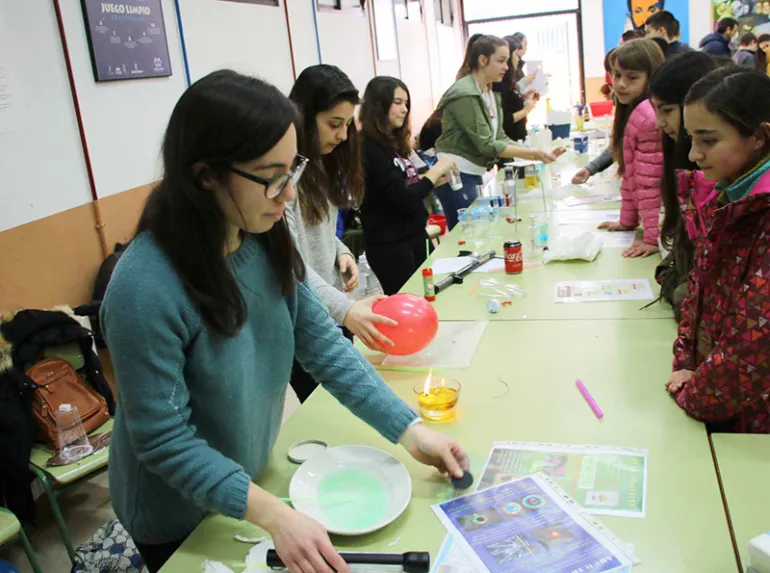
(411, 562)
(457, 276)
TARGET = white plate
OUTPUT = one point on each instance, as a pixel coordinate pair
(351, 490)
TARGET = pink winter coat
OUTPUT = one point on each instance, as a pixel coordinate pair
(643, 156)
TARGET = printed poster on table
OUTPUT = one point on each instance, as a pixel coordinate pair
(528, 525)
(603, 291)
(451, 559)
(603, 480)
(127, 39)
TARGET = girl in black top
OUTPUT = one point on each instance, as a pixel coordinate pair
(393, 214)
(516, 107)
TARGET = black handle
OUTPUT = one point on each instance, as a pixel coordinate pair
(411, 562)
(457, 277)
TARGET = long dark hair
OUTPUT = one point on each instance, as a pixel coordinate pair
(642, 56)
(741, 97)
(336, 177)
(670, 84)
(478, 45)
(375, 110)
(515, 73)
(761, 54)
(223, 118)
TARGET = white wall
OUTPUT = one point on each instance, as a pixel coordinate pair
(700, 21)
(249, 38)
(593, 38)
(346, 43)
(303, 37)
(415, 71)
(42, 170)
(124, 120)
(42, 167)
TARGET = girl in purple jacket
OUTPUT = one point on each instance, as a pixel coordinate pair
(636, 144)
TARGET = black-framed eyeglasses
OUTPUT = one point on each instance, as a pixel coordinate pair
(275, 185)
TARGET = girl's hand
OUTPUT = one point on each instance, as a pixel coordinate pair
(679, 379)
(361, 321)
(544, 156)
(349, 270)
(433, 449)
(640, 250)
(614, 226)
(581, 176)
(529, 105)
(303, 544)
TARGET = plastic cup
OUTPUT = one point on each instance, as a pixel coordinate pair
(72, 438)
(455, 181)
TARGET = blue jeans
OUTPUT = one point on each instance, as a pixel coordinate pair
(452, 200)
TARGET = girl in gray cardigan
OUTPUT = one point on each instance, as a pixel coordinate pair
(332, 180)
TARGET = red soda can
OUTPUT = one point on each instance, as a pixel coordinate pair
(514, 261)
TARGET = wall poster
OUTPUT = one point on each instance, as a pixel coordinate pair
(127, 39)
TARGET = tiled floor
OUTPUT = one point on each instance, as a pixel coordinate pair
(85, 508)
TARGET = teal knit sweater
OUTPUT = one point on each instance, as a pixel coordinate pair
(198, 413)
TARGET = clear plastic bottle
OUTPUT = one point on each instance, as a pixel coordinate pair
(73, 441)
(367, 279)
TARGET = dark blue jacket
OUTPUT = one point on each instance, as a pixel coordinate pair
(676, 47)
(745, 58)
(716, 45)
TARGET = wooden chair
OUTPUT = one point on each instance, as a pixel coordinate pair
(57, 480)
(10, 529)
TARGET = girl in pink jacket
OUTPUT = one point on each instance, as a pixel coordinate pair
(688, 197)
(636, 144)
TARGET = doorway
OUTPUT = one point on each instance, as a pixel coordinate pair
(555, 40)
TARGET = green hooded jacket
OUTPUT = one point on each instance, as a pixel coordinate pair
(466, 124)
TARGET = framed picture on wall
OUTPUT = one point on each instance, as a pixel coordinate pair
(127, 40)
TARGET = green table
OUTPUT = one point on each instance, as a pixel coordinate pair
(456, 302)
(624, 363)
(743, 462)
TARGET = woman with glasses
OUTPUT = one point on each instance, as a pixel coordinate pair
(333, 180)
(205, 313)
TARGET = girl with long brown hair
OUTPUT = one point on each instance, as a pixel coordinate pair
(636, 144)
(394, 215)
(332, 181)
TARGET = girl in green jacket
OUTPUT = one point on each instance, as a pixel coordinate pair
(472, 126)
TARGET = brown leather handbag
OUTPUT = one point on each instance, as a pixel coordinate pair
(58, 383)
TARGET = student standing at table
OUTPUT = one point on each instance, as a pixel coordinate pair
(636, 144)
(472, 128)
(722, 351)
(203, 316)
(394, 215)
(514, 105)
(687, 196)
(333, 180)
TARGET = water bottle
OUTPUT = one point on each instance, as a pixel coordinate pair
(73, 441)
(366, 275)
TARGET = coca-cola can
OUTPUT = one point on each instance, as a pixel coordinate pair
(514, 261)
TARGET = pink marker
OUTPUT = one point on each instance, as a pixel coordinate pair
(590, 399)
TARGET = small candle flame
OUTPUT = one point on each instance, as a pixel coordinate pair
(428, 380)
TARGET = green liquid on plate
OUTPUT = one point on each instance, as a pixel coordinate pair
(365, 500)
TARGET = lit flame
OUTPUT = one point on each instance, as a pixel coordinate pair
(428, 380)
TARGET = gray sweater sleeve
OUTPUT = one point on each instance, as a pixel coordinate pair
(335, 301)
(601, 163)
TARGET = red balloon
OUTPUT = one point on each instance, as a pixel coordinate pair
(417, 323)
